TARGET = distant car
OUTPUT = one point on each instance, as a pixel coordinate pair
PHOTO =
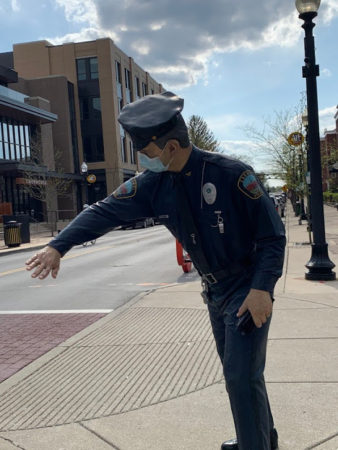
(276, 203)
(140, 223)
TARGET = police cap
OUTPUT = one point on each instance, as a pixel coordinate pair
(150, 117)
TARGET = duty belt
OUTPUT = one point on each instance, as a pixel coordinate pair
(215, 277)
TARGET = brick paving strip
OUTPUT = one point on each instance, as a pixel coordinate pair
(26, 337)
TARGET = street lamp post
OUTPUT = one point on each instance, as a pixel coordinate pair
(307, 180)
(301, 184)
(84, 171)
(320, 266)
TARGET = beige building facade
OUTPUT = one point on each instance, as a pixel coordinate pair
(87, 84)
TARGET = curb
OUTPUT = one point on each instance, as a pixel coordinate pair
(21, 250)
(38, 363)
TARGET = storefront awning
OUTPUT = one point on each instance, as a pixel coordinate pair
(23, 112)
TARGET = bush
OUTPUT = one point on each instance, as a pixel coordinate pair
(330, 197)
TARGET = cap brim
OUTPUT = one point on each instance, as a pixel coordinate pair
(139, 144)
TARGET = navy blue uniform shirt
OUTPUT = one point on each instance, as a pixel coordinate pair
(233, 214)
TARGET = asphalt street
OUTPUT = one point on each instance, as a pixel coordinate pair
(96, 278)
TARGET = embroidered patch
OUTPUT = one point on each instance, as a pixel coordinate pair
(249, 185)
(209, 193)
(126, 190)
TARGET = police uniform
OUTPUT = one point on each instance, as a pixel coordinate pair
(243, 241)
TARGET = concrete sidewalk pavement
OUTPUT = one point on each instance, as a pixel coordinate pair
(147, 376)
(37, 241)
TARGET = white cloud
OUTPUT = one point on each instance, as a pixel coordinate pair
(329, 10)
(250, 152)
(326, 73)
(79, 11)
(86, 34)
(15, 5)
(326, 119)
(224, 124)
(180, 47)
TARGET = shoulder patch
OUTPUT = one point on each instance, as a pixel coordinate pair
(127, 190)
(249, 185)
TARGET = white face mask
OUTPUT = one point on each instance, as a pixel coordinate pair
(153, 164)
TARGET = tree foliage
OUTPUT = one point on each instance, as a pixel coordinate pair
(330, 161)
(200, 134)
(43, 184)
(288, 162)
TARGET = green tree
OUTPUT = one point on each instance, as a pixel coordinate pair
(200, 134)
(288, 161)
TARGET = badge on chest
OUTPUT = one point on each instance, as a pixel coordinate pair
(209, 193)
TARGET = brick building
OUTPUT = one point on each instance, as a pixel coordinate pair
(86, 85)
(329, 153)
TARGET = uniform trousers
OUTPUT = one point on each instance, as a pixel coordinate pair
(243, 360)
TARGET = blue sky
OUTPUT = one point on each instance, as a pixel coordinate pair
(234, 63)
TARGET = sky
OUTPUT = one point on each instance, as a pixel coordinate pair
(235, 62)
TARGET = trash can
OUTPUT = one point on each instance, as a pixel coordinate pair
(24, 219)
(297, 209)
(12, 234)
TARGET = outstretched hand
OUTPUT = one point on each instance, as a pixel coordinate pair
(44, 262)
(259, 304)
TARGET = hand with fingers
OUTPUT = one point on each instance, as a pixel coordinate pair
(259, 304)
(45, 262)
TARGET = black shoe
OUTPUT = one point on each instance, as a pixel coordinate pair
(233, 445)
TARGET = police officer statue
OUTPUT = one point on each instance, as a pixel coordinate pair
(219, 211)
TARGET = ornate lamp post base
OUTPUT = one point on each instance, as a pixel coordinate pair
(320, 267)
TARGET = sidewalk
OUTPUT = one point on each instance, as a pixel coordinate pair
(37, 241)
(147, 376)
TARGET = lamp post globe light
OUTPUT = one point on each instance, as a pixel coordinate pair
(320, 266)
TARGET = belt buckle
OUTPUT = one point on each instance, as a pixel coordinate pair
(209, 278)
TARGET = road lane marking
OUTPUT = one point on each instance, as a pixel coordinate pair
(2, 274)
(86, 252)
(60, 311)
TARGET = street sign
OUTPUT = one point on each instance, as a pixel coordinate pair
(91, 178)
(296, 138)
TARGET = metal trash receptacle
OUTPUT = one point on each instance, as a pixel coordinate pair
(12, 235)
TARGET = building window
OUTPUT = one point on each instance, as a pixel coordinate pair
(144, 89)
(132, 153)
(123, 149)
(127, 78)
(14, 140)
(96, 107)
(87, 69)
(118, 82)
(90, 108)
(81, 69)
(93, 148)
(118, 72)
(84, 108)
(2, 155)
(93, 68)
(137, 88)
(128, 85)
